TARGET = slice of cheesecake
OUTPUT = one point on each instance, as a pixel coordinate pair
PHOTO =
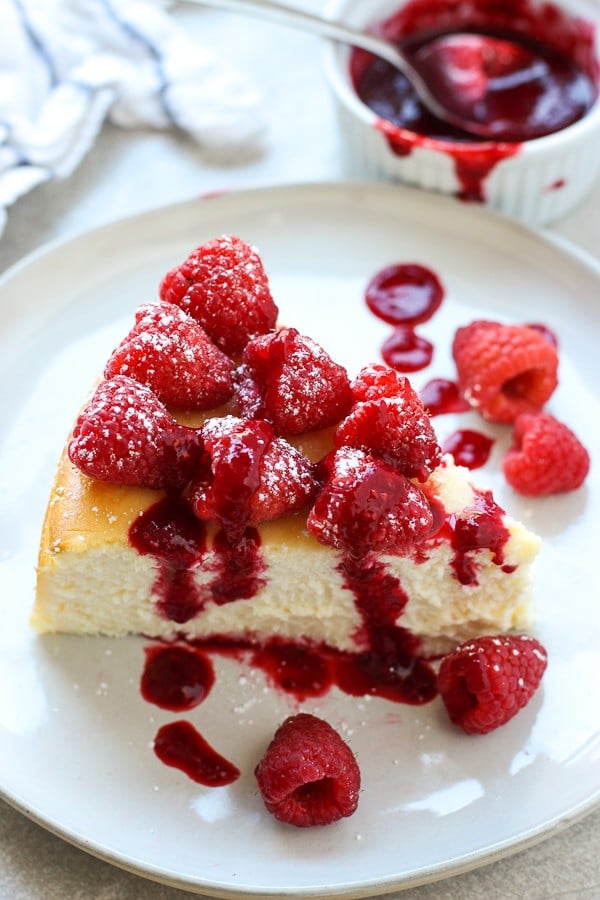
(304, 510)
(96, 576)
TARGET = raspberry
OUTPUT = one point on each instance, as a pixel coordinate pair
(391, 424)
(250, 475)
(366, 505)
(308, 774)
(169, 351)
(291, 381)
(546, 457)
(504, 370)
(486, 681)
(224, 286)
(376, 381)
(126, 436)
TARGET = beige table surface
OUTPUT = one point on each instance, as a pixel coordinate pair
(126, 173)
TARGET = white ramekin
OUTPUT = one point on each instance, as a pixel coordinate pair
(545, 178)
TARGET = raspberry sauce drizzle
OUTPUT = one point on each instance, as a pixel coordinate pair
(170, 533)
(391, 667)
(405, 295)
(176, 678)
(469, 448)
(180, 745)
(479, 528)
(406, 351)
(440, 396)
(301, 671)
(240, 566)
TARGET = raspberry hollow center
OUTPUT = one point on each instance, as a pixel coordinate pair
(525, 385)
(315, 794)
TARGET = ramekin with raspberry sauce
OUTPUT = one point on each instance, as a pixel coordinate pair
(538, 179)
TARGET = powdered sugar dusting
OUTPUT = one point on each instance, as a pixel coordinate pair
(365, 505)
(223, 285)
(293, 382)
(126, 435)
(265, 475)
(168, 351)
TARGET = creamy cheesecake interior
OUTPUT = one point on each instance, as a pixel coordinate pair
(92, 580)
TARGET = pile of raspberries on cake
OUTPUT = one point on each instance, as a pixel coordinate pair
(212, 342)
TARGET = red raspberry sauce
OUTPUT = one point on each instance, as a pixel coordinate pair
(300, 671)
(240, 567)
(469, 448)
(178, 744)
(405, 295)
(171, 533)
(440, 396)
(392, 668)
(483, 528)
(176, 677)
(406, 351)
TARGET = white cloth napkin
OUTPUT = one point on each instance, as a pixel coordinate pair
(67, 65)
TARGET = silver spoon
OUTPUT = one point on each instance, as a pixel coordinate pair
(439, 86)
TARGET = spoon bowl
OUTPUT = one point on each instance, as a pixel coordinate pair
(499, 84)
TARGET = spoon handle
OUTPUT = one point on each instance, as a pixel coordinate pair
(289, 15)
(279, 12)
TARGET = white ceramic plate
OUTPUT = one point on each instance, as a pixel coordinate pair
(75, 734)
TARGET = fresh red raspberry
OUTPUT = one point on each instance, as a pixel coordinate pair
(546, 457)
(366, 505)
(224, 286)
(308, 774)
(486, 681)
(169, 351)
(126, 436)
(376, 381)
(390, 423)
(504, 370)
(250, 475)
(292, 382)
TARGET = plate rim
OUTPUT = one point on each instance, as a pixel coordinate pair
(374, 888)
(486, 213)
